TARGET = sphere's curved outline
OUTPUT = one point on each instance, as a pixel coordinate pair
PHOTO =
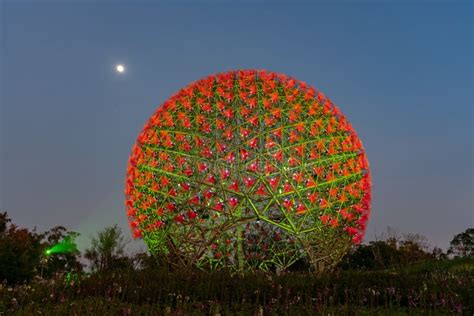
(227, 117)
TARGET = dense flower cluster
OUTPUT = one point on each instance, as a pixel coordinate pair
(246, 146)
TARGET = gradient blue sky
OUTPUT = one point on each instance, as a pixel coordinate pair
(402, 73)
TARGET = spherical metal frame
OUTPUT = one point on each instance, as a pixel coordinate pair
(248, 169)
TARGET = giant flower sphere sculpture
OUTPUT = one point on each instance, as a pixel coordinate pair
(248, 169)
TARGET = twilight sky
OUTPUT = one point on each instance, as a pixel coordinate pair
(402, 74)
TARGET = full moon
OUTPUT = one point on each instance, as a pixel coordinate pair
(120, 68)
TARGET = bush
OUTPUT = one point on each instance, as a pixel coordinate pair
(436, 287)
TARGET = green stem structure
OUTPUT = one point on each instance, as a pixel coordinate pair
(240, 249)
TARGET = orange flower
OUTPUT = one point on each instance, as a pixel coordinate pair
(324, 219)
(261, 190)
(233, 202)
(230, 158)
(234, 186)
(274, 96)
(269, 168)
(202, 167)
(225, 173)
(274, 182)
(276, 113)
(219, 207)
(323, 203)
(244, 154)
(310, 182)
(211, 179)
(301, 209)
(278, 155)
(278, 133)
(269, 121)
(228, 134)
(312, 197)
(137, 234)
(293, 116)
(228, 113)
(244, 111)
(172, 192)
(253, 167)
(253, 120)
(220, 147)
(269, 144)
(333, 192)
(288, 204)
(351, 230)
(249, 181)
(253, 142)
(171, 207)
(131, 212)
(194, 200)
(298, 176)
(343, 198)
(192, 215)
(160, 211)
(220, 124)
(179, 218)
(164, 181)
(294, 137)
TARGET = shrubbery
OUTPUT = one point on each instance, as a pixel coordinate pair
(391, 275)
(441, 286)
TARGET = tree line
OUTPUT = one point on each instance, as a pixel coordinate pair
(24, 253)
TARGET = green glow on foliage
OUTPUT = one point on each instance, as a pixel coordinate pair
(67, 245)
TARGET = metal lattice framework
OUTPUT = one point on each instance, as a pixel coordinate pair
(248, 169)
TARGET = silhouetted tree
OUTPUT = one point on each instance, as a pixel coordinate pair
(108, 250)
(4, 220)
(20, 251)
(462, 244)
(413, 248)
(375, 255)
(393, 252)
(438, 253)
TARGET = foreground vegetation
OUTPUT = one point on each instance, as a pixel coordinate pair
(392, 276)
(439, 287)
